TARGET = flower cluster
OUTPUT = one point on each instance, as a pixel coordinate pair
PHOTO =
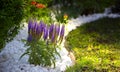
(53, 33)
(38, 5)
(43, 41)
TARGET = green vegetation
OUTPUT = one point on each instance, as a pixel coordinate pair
(11, 14)
(96, 46)
(75, 8)
(116, 8)
(35, 10)
(43, 42)
(41, 53)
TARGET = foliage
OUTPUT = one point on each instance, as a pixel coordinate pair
(93, 6)
(11, 14)
(116, 7)
(43, 42)
(61, 18)
(96, 46)
(38, 9)
(80, 7)
(41, 53)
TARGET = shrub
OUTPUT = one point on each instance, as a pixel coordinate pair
(11, 14)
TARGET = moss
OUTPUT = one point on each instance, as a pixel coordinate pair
(98, 43)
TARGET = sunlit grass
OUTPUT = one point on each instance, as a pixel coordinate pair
(96, 46)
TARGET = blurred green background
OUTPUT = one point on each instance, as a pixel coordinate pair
(12, 12)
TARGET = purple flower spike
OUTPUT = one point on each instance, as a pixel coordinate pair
(29, 39)
(51, 29)
(30, 25)
(35, 26)
(37, 29)
(53, 38)
(42, 26)
(45, 33)
(41, 22)
(40, 29)
(62, 31)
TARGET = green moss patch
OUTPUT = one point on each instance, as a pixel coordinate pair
(96, 46)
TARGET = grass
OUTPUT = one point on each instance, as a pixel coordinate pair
(96, 46)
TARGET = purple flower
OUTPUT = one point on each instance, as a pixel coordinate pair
(29, 39)
(45, 33)
(42, 26)
(62, 31)
(51, 29)
(53, 38)
(37, 29)
(34, 27)
(30, 25)
(57, 29)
